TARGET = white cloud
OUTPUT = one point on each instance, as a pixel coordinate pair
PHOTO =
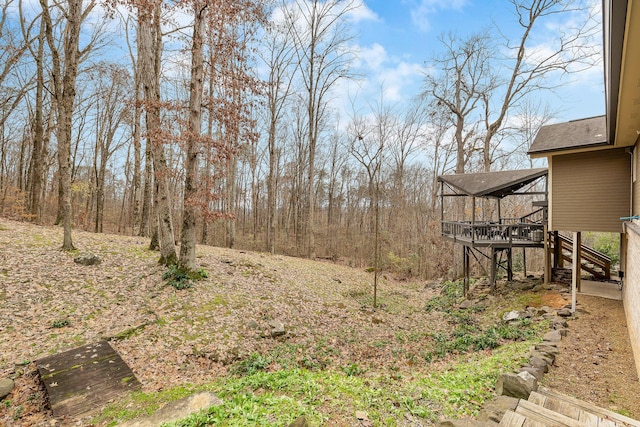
(421, 10)
(398, 79)
(362, 13)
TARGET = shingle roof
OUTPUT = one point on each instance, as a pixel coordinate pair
(492, 184)
(581, 133)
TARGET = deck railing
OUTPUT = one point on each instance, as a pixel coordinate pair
(535, 217)
(488, 231)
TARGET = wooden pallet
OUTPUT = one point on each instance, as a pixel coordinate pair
(84, 379)
(547, 408)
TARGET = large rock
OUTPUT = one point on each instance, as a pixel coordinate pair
(533, 371)
(300, 422)
(516, 385)
(511, 316)
(278, 328)
(552, 336)
(549, 348)
(564, 312)
(539, 363)
(495, 410)
(177, 410)
(87, 259)
(6, 385)
(547, 357)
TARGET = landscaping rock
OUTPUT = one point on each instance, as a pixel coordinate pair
(6, 385)
(177, 410)
(467, 304)
(361, 415)
(495, 410)
(300, 422)
(537, 362)
(511, 316)
(547, 357)
(523, 286)
(253, 325)
(547, 348)
(533, 371)
(552, 336)
(516, 385)
(564, 312)
(559, 322)
(278, 328)
(87, 259)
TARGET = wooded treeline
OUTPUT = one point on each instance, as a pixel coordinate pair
(226, 130)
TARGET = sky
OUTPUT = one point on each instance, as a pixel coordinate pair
(396, 40)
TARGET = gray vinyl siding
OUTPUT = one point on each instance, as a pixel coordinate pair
(590, 191)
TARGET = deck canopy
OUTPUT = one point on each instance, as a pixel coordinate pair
(491, 184)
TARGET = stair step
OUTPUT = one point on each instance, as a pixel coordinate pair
(547, 408)
(603, 414)
(545, 416)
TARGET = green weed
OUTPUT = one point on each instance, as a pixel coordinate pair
(180, 278)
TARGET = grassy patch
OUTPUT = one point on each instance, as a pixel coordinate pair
(277, 398)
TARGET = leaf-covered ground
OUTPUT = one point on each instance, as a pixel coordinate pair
(404, 363)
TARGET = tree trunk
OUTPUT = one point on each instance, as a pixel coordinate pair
(189, 211)
(149, 51)
(37, 155)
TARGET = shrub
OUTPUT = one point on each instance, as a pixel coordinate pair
(181, 278)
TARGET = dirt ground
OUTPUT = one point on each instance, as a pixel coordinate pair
(595, 363)
(321, 303)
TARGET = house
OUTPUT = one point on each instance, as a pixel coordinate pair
(594, 163)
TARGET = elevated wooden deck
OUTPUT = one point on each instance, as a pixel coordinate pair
(494, 235)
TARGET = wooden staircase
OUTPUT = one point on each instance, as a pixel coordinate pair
(547, 408)
(594, 262)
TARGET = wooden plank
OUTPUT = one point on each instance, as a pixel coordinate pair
(564, 408)
(511, 419)
(589, 407)
(546, 416)
(83, 379)
(537, 398)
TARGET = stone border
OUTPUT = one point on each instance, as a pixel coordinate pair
(511, 387)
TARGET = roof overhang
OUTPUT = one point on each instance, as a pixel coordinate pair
(492, 184)
(621, 20)
(581, 135)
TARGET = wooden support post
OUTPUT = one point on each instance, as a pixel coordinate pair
(473, 210)
(524, 262)
(509, 264)
(575, 271)
(499, 212)
(558, 261)
(494, 268)
(623, 255)
(465, 268)
(547, 255)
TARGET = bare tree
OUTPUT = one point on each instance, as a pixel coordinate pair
(112, 91)
(320, 34)
(64, 73)
(188, 237)
(149, 62)
(278, 56)
(462, 76)
(526, 73)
